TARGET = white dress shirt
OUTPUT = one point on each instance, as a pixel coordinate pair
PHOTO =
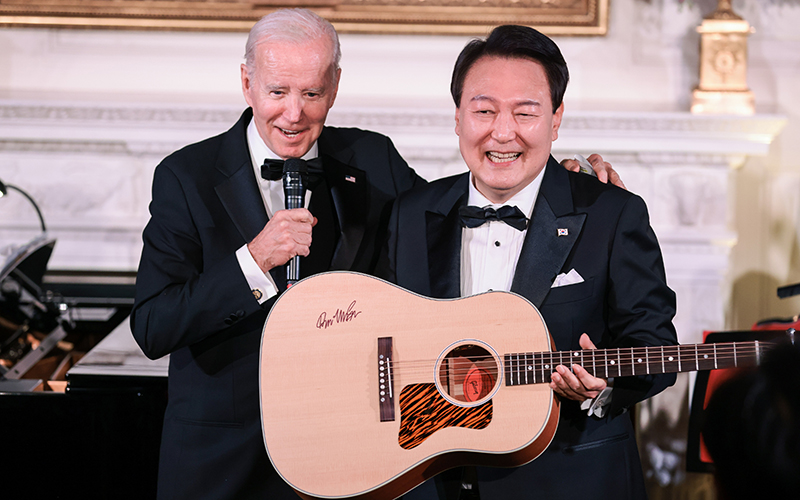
(261, 284)
(490, 252)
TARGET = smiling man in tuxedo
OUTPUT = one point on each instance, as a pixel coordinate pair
(580, 250)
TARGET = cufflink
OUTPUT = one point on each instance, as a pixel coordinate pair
(257, 293)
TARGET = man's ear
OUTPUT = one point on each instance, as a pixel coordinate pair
(335, 87)
(557, 120)
(457, 122)
(247, 84)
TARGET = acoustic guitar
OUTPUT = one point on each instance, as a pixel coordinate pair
(367, 389)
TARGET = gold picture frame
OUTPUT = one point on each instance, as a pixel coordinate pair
(454, 17)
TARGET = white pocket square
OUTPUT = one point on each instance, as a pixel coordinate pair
(570, 278)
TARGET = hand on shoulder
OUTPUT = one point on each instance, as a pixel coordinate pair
(604, 171)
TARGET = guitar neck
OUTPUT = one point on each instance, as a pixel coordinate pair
(536, 367)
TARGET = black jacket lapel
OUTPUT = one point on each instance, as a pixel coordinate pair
(242, 200)
(239, 193)
(350, 196)
(553, 230)
(443, 236)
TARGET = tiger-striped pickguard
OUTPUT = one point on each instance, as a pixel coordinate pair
(424, 411)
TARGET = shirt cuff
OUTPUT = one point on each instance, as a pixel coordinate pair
(261, 284)
(597, 407)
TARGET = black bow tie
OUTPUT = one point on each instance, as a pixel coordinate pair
(475, 216)
(272, 170)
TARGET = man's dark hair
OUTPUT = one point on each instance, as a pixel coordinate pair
(511, 41)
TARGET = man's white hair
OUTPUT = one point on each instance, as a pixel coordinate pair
(292, 25)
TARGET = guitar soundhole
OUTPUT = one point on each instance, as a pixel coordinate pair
(468, 374)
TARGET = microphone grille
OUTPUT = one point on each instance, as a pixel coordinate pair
(295, 165)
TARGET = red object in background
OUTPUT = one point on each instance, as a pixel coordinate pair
(778, 324)
(717, 377)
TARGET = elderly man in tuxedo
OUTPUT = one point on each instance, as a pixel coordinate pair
(582, 251)
(218, 237)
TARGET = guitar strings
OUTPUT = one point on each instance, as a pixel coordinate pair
(624, 356)
(690, 357)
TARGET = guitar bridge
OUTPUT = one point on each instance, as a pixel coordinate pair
(385, 379)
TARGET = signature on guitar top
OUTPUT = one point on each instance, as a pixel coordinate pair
(368, 390)
(340, 316)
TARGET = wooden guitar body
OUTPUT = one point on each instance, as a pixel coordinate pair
(367, 390)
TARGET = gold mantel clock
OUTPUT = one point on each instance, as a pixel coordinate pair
(723, 64)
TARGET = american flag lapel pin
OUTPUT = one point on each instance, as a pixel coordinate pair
(562, 231)
(350, 178)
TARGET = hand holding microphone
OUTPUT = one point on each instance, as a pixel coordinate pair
(287, 235)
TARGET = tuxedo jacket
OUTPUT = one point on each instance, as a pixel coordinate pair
(603, 233)
(193, 302)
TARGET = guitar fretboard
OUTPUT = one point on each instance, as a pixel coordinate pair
(536, 367)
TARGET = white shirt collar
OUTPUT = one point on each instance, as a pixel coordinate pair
(524, 200)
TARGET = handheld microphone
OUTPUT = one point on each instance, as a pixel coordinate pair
(295, 172)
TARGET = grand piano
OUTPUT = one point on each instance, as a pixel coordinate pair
(81, 407)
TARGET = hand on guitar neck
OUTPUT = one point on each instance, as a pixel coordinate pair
(577, 383)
